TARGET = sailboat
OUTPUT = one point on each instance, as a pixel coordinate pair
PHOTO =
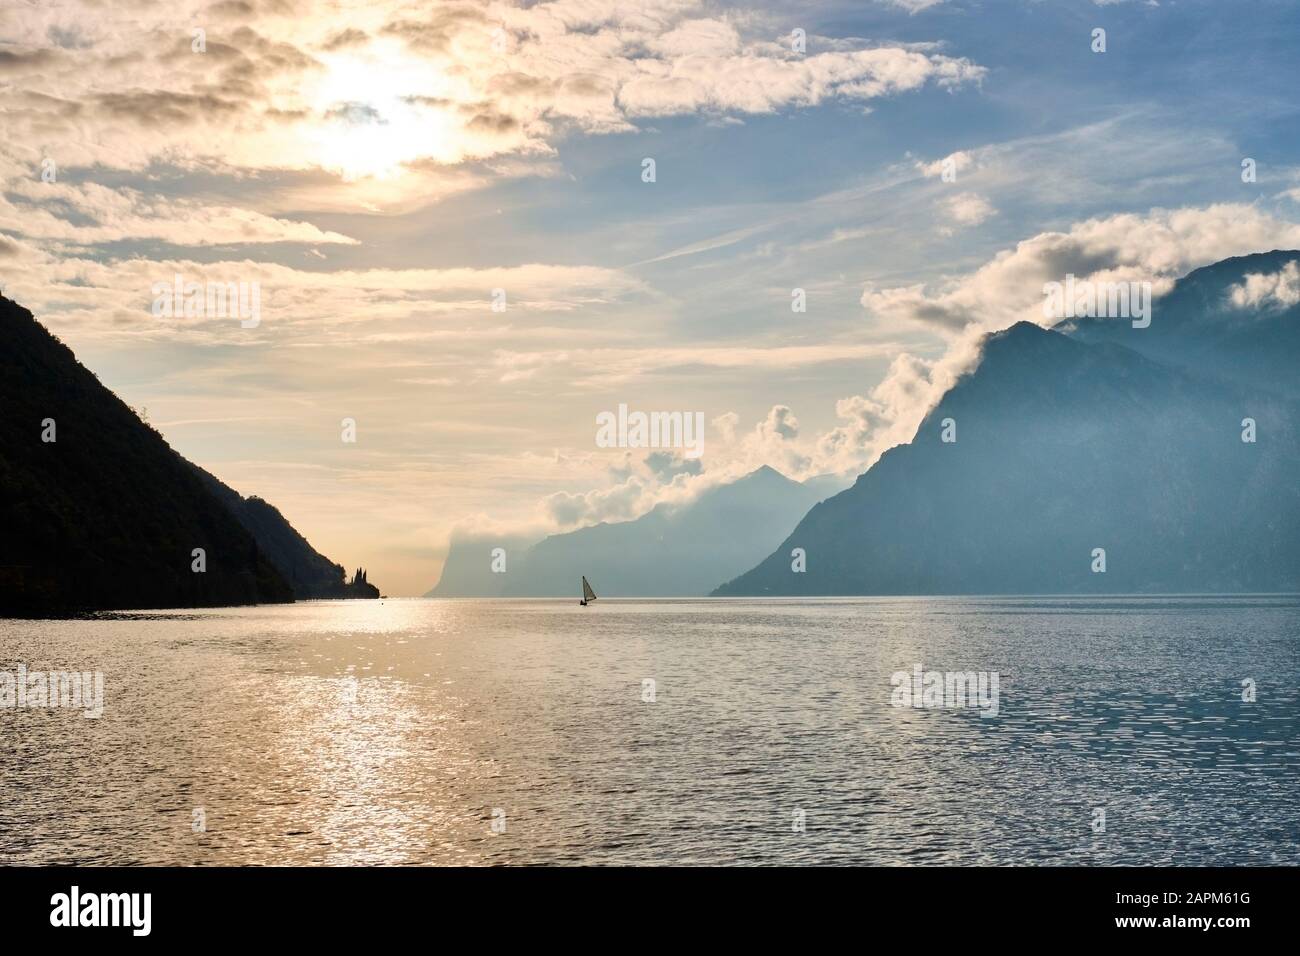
(587, 593)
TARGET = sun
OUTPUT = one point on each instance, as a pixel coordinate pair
(376, 112)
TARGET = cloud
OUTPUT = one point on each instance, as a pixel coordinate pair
(1160, 246)
(754, 83)
(967, 209)
(344, 39)
(324, 307)
(1157, 247)
(604, 367)
(704, 37)
(914, 6)
(90, 214)
(781, 422)
(622, 502)
(451, 84)
(726, 424)
(641, 482)
(667, 465)
(887, 416)
(955, 162)
(1277, 290)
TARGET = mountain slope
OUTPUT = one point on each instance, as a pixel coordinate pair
(672, 551)
(1198, 326)
(669, 552)
(467, 572)
(1063, 447)
(107, 515)
(308, 572)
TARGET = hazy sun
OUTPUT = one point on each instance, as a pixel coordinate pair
(377, 112)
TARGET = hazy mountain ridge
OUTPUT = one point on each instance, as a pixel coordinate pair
(467, 570)
(672, 551)
(107, 515)
(1070, 443)
(1198, 326)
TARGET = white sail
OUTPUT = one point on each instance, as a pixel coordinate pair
(587, 593)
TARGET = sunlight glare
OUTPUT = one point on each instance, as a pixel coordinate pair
(374, 116)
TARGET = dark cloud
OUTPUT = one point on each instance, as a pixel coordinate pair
(31, 99)
(357, 114)
(68, 38)
(490, 121)
(575, 84)
(346, 39)
(250, 9)
(157, 108)
(434, 101)
(517, 83)
(667, 465)
(586, 84)
(11, 62)
(435, 34)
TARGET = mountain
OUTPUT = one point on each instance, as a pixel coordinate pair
(98, 511)
(1198, 326)
(309, 573)
(467, 572)
(671, 551)
(1069, 443)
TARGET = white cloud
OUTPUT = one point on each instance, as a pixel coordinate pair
(967, 209)
(705, 37)
(51, 211)
(1157, 247)
(115, 296)
(914, 6)
(886, 417)
(1277, 290)
(726, 424)
(396, 100)
(755, 83)
(780, 422)
(956, 162)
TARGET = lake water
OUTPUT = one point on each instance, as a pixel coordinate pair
(401, 731)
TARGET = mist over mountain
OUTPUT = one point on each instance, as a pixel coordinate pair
(671, 551)
(100, 513)
(1068, 443)
(467, 571)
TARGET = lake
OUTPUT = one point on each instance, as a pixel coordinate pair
(528, 732)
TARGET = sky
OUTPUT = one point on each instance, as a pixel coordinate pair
(457, 245)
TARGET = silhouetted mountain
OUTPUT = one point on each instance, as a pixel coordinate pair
(107, 516)
(672, 551)
(1068, 445)
(309, 573)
